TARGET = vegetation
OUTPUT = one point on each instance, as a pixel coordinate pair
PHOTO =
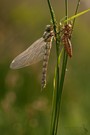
(24, 108)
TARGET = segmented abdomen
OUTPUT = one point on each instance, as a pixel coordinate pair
(67, 45)
(45, 63)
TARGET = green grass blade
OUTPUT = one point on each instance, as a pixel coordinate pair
(59, 58)
(77, 15)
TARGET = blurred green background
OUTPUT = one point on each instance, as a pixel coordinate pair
(24, 109)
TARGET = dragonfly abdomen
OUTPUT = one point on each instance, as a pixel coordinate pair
(67, 46)
(45, 63)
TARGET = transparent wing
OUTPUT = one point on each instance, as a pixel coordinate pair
(31, 55)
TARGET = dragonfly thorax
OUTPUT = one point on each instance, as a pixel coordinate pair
(48, 34)
(67, 30)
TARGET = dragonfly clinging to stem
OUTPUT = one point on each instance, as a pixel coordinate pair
(66, 38)
(39, 50)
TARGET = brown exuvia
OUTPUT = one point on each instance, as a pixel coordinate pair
(66, 38)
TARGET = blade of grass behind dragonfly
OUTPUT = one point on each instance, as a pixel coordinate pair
(53, 18)
(64, 64)
(54, 100)
(58, 93)
(77, 15)
(54, 110)
(61, 81)
(76, 11)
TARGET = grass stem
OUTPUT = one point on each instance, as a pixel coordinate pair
(59, 80)
(76, 11)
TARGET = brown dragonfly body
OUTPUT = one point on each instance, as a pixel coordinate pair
(66, 38)
(48, 35)
(39, 50)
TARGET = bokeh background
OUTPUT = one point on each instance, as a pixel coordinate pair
(24, 109)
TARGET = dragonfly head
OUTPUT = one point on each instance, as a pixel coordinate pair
(48, 34)
(48, 28)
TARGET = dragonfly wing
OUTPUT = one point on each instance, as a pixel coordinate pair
(31, 55)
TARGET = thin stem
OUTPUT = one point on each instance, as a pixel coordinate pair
(55, 94)
(76, 11)
(64, 65)
(66, 9)
(59, 81)
(65, 57)
(52, 15)
(55, 105)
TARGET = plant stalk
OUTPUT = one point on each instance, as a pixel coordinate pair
(59, 80)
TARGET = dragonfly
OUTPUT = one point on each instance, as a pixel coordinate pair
(39, 50)
(66, 38)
